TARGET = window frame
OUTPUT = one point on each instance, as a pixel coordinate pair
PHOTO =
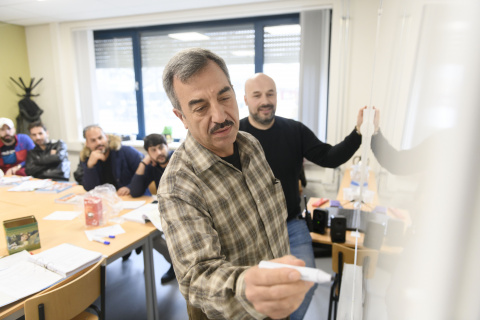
(135, 34)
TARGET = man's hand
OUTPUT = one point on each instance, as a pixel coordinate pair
(376, 120)
(53, 151)
(13, 170)
(94, 157)
(148, 160)
(143, 164)
(276, 292)
(123, 191)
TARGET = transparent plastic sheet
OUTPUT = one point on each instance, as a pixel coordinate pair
(350, 304)
(351, 293)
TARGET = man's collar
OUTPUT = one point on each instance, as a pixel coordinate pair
(202, 158)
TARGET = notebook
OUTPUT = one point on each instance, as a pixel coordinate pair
(22, 274)
(148, 212)
(65, 259)
(356, 221)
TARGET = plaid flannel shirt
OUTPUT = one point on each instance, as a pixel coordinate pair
(219, 221)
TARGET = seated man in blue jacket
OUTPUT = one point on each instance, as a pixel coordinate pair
(105, 160)
(150, 169)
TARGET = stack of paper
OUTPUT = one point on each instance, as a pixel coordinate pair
(6, 181)
(31, 185)
(56, 187)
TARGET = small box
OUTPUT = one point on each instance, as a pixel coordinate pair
(93, 211)
(22, 234)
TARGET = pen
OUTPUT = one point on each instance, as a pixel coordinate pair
(100, 240)
(103, 236)
(307, 274)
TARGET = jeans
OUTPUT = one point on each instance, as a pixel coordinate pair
(301, 247)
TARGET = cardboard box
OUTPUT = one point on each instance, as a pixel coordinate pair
(94, 211)
(22, 234)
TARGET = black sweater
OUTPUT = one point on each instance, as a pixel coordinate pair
(140, 183)
(285, 145)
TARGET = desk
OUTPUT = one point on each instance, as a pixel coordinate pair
(372, 186)
(53, 233)
(349, 239)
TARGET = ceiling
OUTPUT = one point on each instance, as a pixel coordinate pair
(34, 12)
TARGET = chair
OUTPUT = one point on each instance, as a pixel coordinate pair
(342, 254)
(71, 300)
(152, 187)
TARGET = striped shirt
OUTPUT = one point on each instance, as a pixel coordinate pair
(219, 221)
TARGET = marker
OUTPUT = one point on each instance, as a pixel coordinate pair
(100, 240)
(307, 274)
(104, 236)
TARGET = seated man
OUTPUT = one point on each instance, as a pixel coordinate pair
(152, 166)
(151, 169)
(105, 160)
(49, 158)
(13, 149)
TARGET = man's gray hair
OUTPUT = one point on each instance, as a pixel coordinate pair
(96, 126)
(184, 65)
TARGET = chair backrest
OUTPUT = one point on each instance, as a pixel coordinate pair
(153, 188)
(70, 299)
(349, 257)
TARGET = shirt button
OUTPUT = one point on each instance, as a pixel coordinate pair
(258, 200)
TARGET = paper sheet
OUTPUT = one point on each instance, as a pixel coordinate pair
(132, 204)
(62, 215)
(105, 232)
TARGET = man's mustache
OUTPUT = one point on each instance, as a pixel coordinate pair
(219, 126)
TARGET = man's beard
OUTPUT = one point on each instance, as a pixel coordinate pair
(102, 148)
(40, 142)
(8, 140)
(262, 120)
(161, 162)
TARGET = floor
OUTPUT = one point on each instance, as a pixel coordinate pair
(125, 298)
(126, 290)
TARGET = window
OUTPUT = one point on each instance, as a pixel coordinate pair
(130, 62)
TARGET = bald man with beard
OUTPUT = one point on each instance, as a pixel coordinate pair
(286, 143)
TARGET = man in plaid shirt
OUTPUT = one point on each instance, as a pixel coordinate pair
(222, 209)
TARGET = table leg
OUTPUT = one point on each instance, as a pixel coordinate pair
(150, 289)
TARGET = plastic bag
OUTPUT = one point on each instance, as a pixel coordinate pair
(101, 204)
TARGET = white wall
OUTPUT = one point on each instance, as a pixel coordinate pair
(52, 56)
